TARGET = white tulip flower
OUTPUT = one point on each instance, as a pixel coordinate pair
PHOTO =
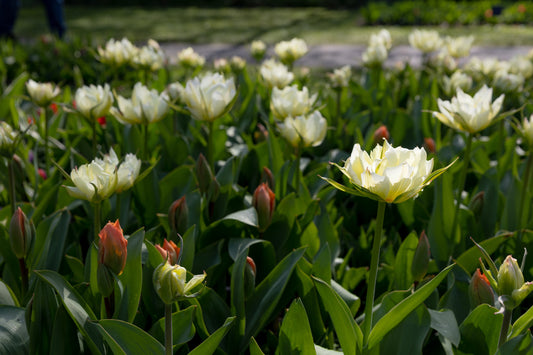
(190, 59)
(94, 101)
(426, 41)
(145, 106)
(289, 51)
(275, 74)
(290, 101)
(304, 131)
(42, 94)
(117, 53)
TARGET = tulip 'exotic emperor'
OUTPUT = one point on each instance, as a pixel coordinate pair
(169, 251)
(170, 282)
(210, 96)
(275, 74)
(117, 53)
(527, 130)
(42, 93)
(290, 101)
(94, 101)
(113, 247)
(304, 131)
(388, 174)
(469, 114)
(145, 106)
(289, 51)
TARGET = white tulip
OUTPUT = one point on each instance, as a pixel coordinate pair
(426, 41)
(304, 131)
(258, 49)
(375, 54)
(508, 82)
(289, 51)
(189, 58)
(290, 101)
(145, 106)
(459, 47)
(340, 78)
(94, 101)
(117, 52)
(150, 57)
(42, 93)
(127, 172)
(467, 113)
(527, 129)
(275, 74)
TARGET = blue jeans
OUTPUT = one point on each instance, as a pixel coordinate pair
(8, 14)
(56, 19)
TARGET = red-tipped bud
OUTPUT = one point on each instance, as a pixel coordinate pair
(429, 144)
(267, 177)
(380, 134)
(419, 267)
(178, 216)
(113, 248)
(477, 202)
(249, 277)
(264, 202)
(42, 174)
(480, 290)
(170, 251)
(203, 174)
(251, 264)
(21, 233)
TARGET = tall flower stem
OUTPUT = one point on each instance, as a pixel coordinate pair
(298, 172)
(23, 276)
(168, 329)
(460, 187)
(12, 193)
(507, 315)
(46, 145)
(525, 193)
(145, 141)
(93, 120)
(372, 279)
(210, 146)
(97, 219)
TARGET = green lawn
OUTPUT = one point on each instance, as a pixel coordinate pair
(229, 25)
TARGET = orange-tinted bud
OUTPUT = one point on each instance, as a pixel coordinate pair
(267, 177)
(251, 264)
(429, 144)
(170, 251)
(480, 290)
(380, 134)
(178, 216)
(264, 202)
(419, 267)
(21, 233)
(203, 174)
(113, 248)
(249, 277)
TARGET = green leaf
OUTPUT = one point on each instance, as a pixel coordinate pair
(403, 277)
(439, 228)
(210, 345)
(126, 338)
(402, 309)
(469, 260)
(14, 337)
(263, 302)
(445, 323)
(352, 301)
(247, 216)
(520, 345)
(237, 246)
(77, 308)
(7, 297)
(348, 332)
(295, 334)
(480, 331)
(127, 302)
(522, 324)
(254, 348)
(323, 351)
(322, 264)
(64, 337)
(182, 327)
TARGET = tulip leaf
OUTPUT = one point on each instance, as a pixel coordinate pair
(480, 331)
(238, 246)
(64, 337)
(77, 308)
(445, 323)
(127, 302)
(210, 345)
(254, 348)
(7, 297)
(295, 334)
(323, 351)
(14, 337)
(183, 328)
(469, 260)
(402, 309)
(520, 345)
(126, 338)
(403, 277)
(522, 324)
(247, 216)
(348, 332)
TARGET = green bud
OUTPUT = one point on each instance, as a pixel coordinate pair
(510, 277)
(170, 282)
(21, 234)
(419, 267)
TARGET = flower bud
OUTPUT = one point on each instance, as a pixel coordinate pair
(170, 251)
(381, 133)
(510, 277)
(429, 144)
(178, 215)
(264, 202)
(21, 233)
(261, 134)
(477, 202)
(113, 248)
(170, 282)
(267, 177)
(419, 267)
(203, 174)
(480, 290)
(105, 280)
(249, 276)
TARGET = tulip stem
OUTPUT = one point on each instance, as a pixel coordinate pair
(210, 148)
(525, 194)
(507, 315)
(168, 329)
(298, 155)
(372, 278)
(460, 187)
(145, 141)
(23, 277)
(97, 219)
(46, 148)
(12, 193)
(94, 136)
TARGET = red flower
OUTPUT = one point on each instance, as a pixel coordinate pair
(113, 247)
(102, 121)
(264, 201)
(169, 251)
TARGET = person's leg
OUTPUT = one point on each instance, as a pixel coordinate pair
(8, 15)
(54, 13)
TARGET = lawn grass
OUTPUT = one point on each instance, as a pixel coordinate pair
(237, 26)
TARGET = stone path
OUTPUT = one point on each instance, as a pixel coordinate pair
(336, 55)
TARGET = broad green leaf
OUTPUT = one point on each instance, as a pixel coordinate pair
(64, 337)
(469, 260)
(210, 345)
(520, 345)
(522, 324)
(238, 297)
(439, 228)
(126, 338)
(247, 216)
(237, 246)
(402, 309)
(182, 327)
(43, 313)
(77, 308)
(254, 348)
(445, 323)
(348, 332)
(263, 302)
(480, 331)
(352, 301)
(14, 337)
(323, 351)
(127, 303)
(403, 277)
(295, 334)
(7, 297)
(322, 264)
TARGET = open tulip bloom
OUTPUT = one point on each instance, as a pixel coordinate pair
(387, 174)
(145, 106)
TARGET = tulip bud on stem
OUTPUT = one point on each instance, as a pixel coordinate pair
(371, 290)
(109, 304)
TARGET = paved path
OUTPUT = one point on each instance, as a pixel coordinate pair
(336, 55)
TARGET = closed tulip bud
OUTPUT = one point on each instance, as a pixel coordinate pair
(105, 280)
(264, 202)
(178, 216)
(113, 249)
(419, 267)
(171, 285)
(169, 251)
(480, 290)
(258, 50)
(381, 133)
(203, 174)
(510, 276)
(477, 202)
(42, 94)
(267, 177)
(21, 234)
(249, 276)
(429, 144)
